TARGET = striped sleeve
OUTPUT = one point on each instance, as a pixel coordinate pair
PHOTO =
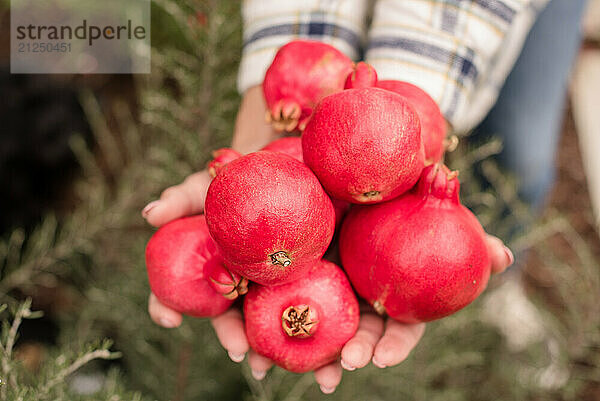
(459, 51)
(269, 24)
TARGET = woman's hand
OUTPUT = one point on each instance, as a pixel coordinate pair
(385, 343)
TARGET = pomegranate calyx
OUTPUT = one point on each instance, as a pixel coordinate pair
(280, 258)
(362, 76)
(379, 308)
(439, 181)
(221, 157)
(369, 197)
(228, 284)
(299, 321)
(284, 115)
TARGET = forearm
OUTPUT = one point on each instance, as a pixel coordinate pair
(252, 132)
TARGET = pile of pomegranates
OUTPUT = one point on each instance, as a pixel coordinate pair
(369, 163)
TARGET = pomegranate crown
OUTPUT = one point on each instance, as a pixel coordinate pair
(221, 157)
(299, 321)
(363, 75)
(439, 181)
(225, 282)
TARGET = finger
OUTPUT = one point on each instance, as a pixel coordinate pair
(397, 342)
(230, 331)
(180, 200)
(358, 351)
(501, 257)
(328, 377)
(259, 365)
(162, 314)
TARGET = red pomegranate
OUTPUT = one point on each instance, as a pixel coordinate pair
(419, 257)
(302, 73)
(433, 124)
(184, 266)
(364, 145)
(363, 76)
(220, 158)
(291, 145)
(303, 325)
(269, 216)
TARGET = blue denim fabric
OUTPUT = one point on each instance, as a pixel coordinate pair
(530, 107)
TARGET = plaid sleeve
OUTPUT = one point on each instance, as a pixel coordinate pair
(269, 24)
(459, 51)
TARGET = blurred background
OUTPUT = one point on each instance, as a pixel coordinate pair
(81, 155)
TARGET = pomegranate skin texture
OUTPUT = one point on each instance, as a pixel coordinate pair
(419, 257)
(364, 145)
(433, 124)
(291, 146)
(303, 325)
(301, 74)
(180, 258)
(269, 216)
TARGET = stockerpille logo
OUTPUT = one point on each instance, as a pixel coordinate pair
(80, 36)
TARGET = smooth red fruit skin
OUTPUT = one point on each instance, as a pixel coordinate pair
(364, 145)
(433, 124)
(301, 74)
(179, 259)
(269, 216)
(419, 257)
(326, 289)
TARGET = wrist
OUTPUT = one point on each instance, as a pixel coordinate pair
(252, 132)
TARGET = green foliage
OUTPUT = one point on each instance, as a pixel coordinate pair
(95, 257)
(49, 382)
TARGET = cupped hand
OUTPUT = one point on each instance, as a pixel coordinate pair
(384, 343)
(250, 134)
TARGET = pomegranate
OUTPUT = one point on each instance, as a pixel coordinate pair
(291, 145)
(364, 145)
(184, 269)
(363, 76)
(433, 124)
(220, 158)
(269, 216)
(419, 257)
(301, 74)
(303, 325)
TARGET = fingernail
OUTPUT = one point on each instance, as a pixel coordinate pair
(347, 366)
(169, 324)
(377, 363)
(149, 207)
(258, 374)
(327, 390)
(236, 357)
(509, 255)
